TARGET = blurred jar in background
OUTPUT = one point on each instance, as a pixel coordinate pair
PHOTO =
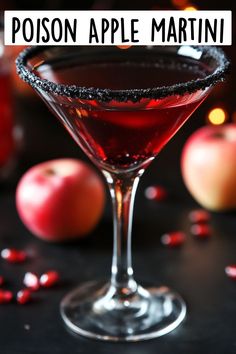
(7, 145)
(20, 88)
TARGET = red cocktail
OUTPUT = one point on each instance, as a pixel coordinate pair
(122, 107)
(123, 135)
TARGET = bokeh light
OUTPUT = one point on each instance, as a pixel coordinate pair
(217, 116)
(124, 46)
(190, 8)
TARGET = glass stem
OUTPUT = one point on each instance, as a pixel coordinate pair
(122, 189)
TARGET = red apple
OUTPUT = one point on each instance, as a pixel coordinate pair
(209, 166)
(60, 199)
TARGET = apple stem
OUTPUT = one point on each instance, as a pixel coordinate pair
(50, 172)
(219, 135)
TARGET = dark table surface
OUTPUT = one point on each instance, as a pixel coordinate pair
(196, 270)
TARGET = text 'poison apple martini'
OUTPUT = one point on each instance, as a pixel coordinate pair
(122, 107)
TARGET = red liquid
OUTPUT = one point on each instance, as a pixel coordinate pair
(122, 135)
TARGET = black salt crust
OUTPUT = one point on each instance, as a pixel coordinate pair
(133, 95)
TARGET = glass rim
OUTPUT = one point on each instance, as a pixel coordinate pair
(134, 95)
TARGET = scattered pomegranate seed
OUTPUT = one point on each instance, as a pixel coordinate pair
(31, 281)
(12, 255)
(230, 271)
(5, 296)
(199, 216)
(49, 279)
(173, 239)
(201, 230)
(8, 296)
(23, 296)
(2, 280)
(157, 193)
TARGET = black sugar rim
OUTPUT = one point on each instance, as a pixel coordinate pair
(134, 95)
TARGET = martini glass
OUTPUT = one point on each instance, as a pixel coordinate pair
(122, 107)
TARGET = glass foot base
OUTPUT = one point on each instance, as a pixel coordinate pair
(96, 311)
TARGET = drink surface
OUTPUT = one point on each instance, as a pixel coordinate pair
(120, 75)
(123, 135)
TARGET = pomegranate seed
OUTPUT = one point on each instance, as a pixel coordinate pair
(2, 280)
(199, 216)
(8, 296)
(23, 296)
(5, 296)
(31, 281)
(173, 239)
(49, 279)
(13, 256)
(230, 271)
(201, 230)
(157, 193)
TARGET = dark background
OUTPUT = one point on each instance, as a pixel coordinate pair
(196, 270)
